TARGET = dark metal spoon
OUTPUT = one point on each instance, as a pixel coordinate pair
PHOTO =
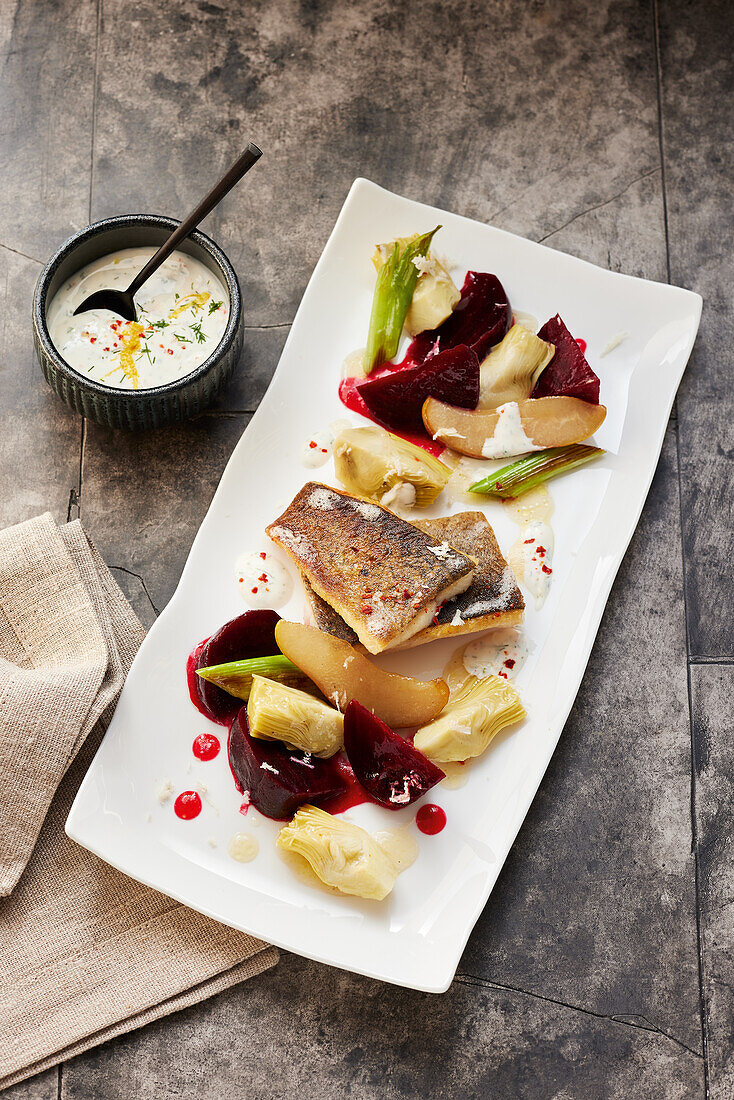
(121, 301)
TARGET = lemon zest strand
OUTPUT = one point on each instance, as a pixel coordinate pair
(189, 301)
(130, 344)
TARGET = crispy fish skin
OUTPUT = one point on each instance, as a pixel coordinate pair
(327, 619)
(384, 576)
(492, 600)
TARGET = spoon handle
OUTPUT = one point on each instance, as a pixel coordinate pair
(243, 164)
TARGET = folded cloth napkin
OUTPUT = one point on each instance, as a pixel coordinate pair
(85, 952)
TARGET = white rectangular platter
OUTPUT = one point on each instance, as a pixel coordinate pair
(414, 938)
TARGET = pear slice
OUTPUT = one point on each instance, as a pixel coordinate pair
(528, 425)
(343, 674)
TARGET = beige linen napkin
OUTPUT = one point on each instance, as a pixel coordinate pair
(85, 952)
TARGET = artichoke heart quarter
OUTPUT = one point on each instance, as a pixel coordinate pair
(276, 712)
(339, 853)
(372, 462)
(512, 368)
(471, 720)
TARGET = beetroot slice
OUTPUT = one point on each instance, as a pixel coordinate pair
(396, 399)
(195, 682)
(389, 768)
(277, 779)
(251, 634)
(568, 374)
(480, 319)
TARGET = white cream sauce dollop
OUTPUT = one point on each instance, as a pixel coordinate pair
(501, 655)
(531, 557)
(262, 580)
(317, 450)
(243, 847)
(509, 436)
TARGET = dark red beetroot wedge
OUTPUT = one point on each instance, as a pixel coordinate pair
(568, 374)
(389, 768)
(396, 399)
(277, 779)
(480, 319)
(249, 635)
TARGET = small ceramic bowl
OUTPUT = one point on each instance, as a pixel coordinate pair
(144, 408)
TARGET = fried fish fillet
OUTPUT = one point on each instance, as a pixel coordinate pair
(492, 600)
(383, 576)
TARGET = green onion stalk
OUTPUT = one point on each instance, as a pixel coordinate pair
(235, 677)
(396, 282)
(525, 474)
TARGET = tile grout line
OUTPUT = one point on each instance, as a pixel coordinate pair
(697, 877)
(659, 91)
(267, 328)
(82, 452)
(92, 151)
(600, 205)
(95, 87)
(75, 493)
(619, 1018)
(693, 806)
(132, 573)
(17, 252)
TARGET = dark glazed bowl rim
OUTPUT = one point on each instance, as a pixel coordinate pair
(124, 221)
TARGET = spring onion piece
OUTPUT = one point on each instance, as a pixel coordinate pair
(521, 476)
(235, 677)
(394, 289)
(435, 294)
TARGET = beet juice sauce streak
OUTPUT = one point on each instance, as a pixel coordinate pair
(349, 397)
(192, 678)
(353, 795)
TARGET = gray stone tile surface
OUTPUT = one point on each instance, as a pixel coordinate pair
(697, 83)
(43, 1087)
(39, 437)
(581, 978)
(145, 495)
(45, 150)
(260, 357)
(304, 1030)
(712, 691)
(47, 93)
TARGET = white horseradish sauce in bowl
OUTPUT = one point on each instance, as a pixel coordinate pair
(182, 309)
(174, 359)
